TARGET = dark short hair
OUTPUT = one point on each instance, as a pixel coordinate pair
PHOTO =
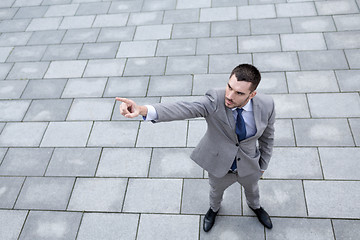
(247, 73)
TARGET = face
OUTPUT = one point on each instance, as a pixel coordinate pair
(238, 93)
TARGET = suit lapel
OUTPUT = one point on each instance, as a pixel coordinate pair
(257, 117)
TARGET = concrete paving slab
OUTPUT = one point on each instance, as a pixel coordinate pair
(230, 28)
(126, 6)
(126, 87)
(17, 25)
(48, 110)
(104, 68)
(256, 11)
(8, 13)
(181, 15)
(346, 229)
(91, 109)
(347, 22)
(347, 80)
(291, 106)
(221, 45)
(38, 193)
(203, 82)
(93, 8)
(124, 162)
(116, 34)
(226, 3)
(170, 85)
(295, 9)
(268, 43)
(176, 47)
(5, 69)
(355, 128)
(342, 40)
(145, 66)
(46, 37)
(191, 30)
(353, 57)
(13, 222)
(153, 32)
(4, 53)
(77, 22)
(23, 3)
(187, 65)
(81, 35)
(284, 133)
(137, 49)
(42, 24)
(278, 61)
(182, 4)
(14, 39)
(111, 20)
(98, 194)
(84, 87)
(273, 82)
(2, 150)
(270, 26)
(28, 70)
(10, 188)
(218, 14)
(303, 42)
(66, 69)
(31, 12)
(196, 131)
(225, 63)
(313, 24)
(336, 7)
(62, 10)
(322, 60)
(145, 18)
(12, 89)
(62, 52)
(73, 162)
(153, 5)
(312, 81)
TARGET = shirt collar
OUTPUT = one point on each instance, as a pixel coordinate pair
(248, 107)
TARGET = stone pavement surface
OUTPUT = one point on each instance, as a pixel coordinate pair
(72, 168)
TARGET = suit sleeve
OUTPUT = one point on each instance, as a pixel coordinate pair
(266, 141)
(184, 110)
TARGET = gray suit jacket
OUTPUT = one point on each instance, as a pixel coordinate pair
(219, 146)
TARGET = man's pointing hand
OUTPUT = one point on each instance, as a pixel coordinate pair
(129, 109)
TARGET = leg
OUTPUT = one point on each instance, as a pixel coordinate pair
(217, 188)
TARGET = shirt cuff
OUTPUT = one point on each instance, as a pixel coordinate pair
(151, 114)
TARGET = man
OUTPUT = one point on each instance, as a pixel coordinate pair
(237, 119)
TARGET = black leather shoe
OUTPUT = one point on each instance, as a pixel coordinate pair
(263, 217)
(209, 220)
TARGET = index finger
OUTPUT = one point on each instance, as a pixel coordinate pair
(125, 100)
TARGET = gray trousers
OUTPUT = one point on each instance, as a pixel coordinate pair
(250, 184)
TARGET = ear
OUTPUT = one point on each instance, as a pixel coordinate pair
(252, 94)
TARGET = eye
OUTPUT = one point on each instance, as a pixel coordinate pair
(240, 93)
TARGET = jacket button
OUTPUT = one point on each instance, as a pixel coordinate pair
(237, 144)
(238, 159)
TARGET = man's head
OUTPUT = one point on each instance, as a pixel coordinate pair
(242, 84)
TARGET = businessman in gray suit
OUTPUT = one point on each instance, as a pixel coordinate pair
(238, 143)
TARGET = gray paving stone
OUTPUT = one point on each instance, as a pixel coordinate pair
(46, 37)
(28, 70)
(17, 25)
(204, 82)
(5, 69)
(126, 87)
(256, 11)
(22, 134)
(10, 188)
(353, 57)
(125, 6)
(314, 229)
(98, 50)
(36, 89)
(322, 132)
(290, 163)
(31, 53)
(26, 161)
(346, 229)
(140, 101)
(62, 10)
(145, 18)
(49, 224)
(153, 226)
(13, 110)
(104, 67)
(355, 128)
(181, 15)
(226, 63)
(8, 13)
(174, 162)
(322, 60)
(303, 41)
(66, 69)
(284, 133)
(14, 39)
(91, 109)
(187, 65)
(98, 194)
(73, 162)
(154, 5)
(272, 82)
(30, 12)
(109, 226)
(62, 52)
(24, 3)
(300, 9)
(84, 87)
(93, 8)
(12, 89)
(347, 80)
(278, 61)
(48, 110)
(170, 85)
(196, 131)
(338, 163)
(347, 22)
(114, 134)
(81, 35)
(336, 7)
(230, 28)
(224, 3)
(342, 40)
(124, 162)
(137, 49)
(143, 193)
(12, 221)
(218, 14)
(2, 125)
(50, 2)
(231, 227)
(334, 105)
(313, 24)
(41, 24)
(312, 81)
(145, 66)
(196, 198)
(341, 204)
(77, 22)
(116, 34)
(266, 43)
(111, 20)
(66, 134)
(176, 47)
(153, 32)
(270, 26)
(281, 198)
(183, 4)
(161, 135)
(191, 30)
(7, 3)
(38, 193)
(221, 45)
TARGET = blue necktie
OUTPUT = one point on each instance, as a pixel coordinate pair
(240, 130)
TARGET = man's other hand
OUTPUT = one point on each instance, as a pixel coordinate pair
(129, 109)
